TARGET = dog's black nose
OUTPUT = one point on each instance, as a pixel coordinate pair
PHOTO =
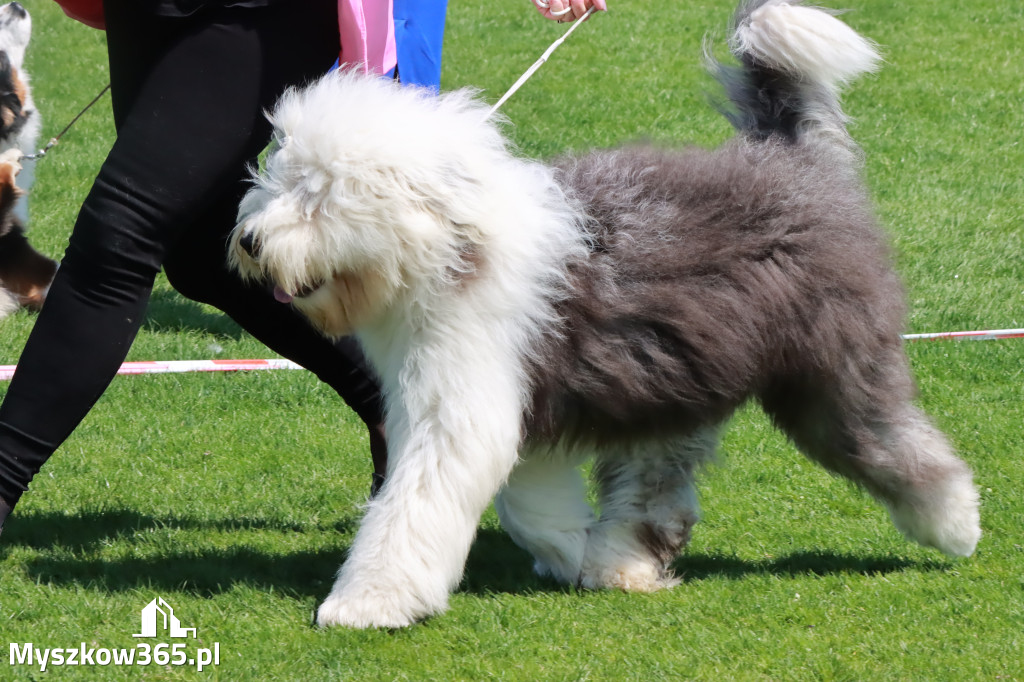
(18, 10)
(249, 245)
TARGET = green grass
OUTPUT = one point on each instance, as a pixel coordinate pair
(234, 497)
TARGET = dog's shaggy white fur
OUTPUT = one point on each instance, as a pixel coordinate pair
(619, 305)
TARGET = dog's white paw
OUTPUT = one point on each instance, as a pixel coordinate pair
(559, 555)
(12, 157)
(361, 613)
(559, 573)
(616, 559)
(373, 606)
(8, 303)
(949, 521)
(631, 574)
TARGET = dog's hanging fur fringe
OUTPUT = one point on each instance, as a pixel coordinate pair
(618, 305)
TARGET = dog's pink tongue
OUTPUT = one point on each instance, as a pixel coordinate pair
(282, 295)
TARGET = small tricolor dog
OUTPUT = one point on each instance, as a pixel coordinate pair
(25, 274)
(619, 305)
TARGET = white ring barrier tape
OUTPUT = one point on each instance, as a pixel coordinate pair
(183, 366)
(987, 335)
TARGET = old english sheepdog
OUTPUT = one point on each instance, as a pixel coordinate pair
(618, 305)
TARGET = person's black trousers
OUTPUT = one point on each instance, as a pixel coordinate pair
(189, 96)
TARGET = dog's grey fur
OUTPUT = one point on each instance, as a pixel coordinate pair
(704, 287)
(756, 270)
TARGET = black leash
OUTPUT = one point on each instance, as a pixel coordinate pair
(54, 140)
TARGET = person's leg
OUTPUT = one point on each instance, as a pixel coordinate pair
(185, 127)
(196, 267)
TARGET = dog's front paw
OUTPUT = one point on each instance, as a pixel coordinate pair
(371, 608)
(13, 158)
(10, 166)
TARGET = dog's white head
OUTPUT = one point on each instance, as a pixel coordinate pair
(15, 31)
(356, 205)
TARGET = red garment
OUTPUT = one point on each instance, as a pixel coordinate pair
(89, 12)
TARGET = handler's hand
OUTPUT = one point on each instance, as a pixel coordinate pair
(567, 10)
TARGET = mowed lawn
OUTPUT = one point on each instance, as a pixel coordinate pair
(234, 497)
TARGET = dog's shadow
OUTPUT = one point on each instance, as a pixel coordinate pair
(193, 566)
(495, 564)
(695, 567)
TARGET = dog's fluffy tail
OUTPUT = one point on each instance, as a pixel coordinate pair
(794, 62)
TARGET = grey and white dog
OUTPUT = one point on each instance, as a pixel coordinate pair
(618, 306)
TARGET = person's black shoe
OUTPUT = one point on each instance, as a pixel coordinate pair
(375, 485)
(5, 510)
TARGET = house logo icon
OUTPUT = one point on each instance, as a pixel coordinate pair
(151, 616)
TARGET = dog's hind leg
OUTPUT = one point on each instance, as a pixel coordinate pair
(935, 502)
(884, 443)
(648, 506)
(543, 507)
